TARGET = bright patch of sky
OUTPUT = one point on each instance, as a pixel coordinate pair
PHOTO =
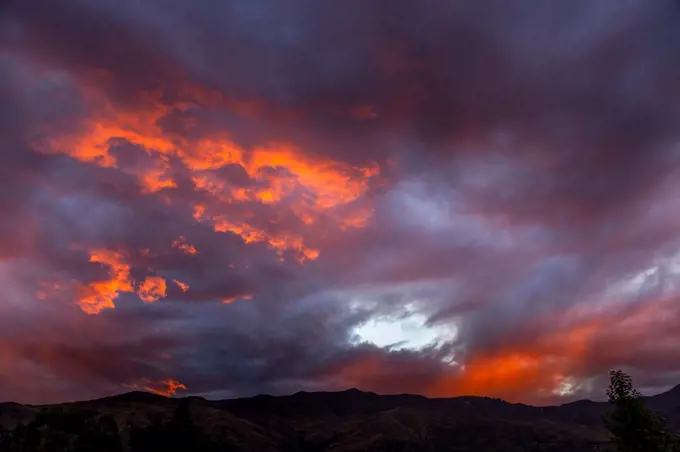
(661, 277)
(408, 331)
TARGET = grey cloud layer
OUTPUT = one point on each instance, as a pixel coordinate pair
(528, 150)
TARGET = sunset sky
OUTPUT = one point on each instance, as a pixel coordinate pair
(436, 197)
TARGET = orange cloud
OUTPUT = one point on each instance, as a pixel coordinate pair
(237, 297)
(507, 374)
(280, 242)
(569, 342)
(182, 286)
(152, 289)
(356, 219)
(330, 183)
(92, 142)
(100, 295)
(310, 188)
(184, 246)
(167, 387)
(558, 354)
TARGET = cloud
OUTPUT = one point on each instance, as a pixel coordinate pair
(243, 198)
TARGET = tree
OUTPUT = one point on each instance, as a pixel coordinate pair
(59, 430)
(632, 425)
(176, 434)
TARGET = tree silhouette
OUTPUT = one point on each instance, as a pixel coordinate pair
(177, 434)
(59, 430)
(632, 425)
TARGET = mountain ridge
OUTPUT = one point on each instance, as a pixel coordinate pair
(675, 391)
(354, 420)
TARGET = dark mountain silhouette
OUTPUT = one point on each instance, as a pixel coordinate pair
(354, 420)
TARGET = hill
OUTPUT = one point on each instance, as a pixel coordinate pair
(356, 421)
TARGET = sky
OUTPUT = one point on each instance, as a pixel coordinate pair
(436, 197)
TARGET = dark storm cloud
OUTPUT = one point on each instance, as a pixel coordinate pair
(66, 358)
(527, 154)
(429, 72)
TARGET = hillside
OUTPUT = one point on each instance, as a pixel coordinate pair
(360, 421)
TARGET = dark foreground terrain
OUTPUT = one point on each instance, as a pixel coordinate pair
(339, 421)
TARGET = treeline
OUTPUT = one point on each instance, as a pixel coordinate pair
(57, 429)
(633, 426)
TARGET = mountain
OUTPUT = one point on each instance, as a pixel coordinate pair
(354, 420)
